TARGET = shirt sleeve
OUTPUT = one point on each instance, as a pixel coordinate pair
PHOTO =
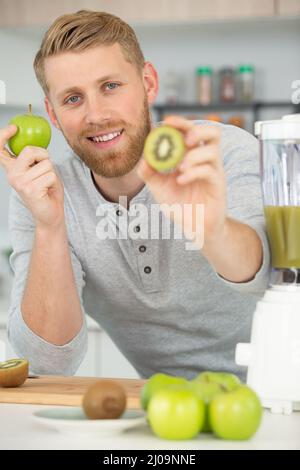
(244, 197)
(43, 357)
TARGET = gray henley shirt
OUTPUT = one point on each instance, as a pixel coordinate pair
(164, 306)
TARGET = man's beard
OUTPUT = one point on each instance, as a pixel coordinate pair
(114, 163)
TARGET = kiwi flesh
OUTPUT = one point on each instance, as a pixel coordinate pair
(13, 372)
(105, 399)
(164, 148)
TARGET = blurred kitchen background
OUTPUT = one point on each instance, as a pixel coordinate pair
(234, 61)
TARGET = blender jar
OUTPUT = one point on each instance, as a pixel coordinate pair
(280, 176)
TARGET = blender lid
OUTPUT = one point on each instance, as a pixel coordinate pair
(291, 117)
(286, 128)
(258, 126)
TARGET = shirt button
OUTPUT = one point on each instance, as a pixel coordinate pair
(147, 270)
(118, 212)
(137, 229)
(142, 248)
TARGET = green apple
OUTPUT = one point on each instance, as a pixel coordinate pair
(175, 412)
(227, 380)
(32, 130)
(206, 391)
(235, 415)
(157, 382)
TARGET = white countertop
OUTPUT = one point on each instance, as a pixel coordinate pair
(22, 432)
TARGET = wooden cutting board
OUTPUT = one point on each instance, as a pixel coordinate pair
(54, 390)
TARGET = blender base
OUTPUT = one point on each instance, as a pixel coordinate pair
(273, 356)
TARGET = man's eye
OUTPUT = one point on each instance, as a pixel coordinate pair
(112, 85)
(72, 100)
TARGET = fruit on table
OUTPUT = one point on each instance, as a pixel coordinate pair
(235, 415)
(164, 148)
(209, 384)
(225, 406)
(175, 412)
(206, 391)
(157, 382)
(227, 380)
(105, 399)
(32, 130)
(13, 372)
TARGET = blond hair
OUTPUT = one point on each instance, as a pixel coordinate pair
(83, 30)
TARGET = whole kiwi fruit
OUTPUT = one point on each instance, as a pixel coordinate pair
(105, 399)
(164, 148)
(13, 372)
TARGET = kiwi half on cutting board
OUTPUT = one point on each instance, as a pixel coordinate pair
(13, 373)
(164, 148)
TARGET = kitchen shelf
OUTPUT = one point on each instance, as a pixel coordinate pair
(255, 107)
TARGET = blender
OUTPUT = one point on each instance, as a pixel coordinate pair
(273, 355)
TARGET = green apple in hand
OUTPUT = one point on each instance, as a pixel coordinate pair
(175, 412)
(235, 415)
(157, 382)
(32, 130)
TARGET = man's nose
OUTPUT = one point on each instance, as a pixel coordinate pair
(97, 110)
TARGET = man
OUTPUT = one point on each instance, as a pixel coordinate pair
(168, 308)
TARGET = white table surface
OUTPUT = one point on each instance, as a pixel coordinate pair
(18, 430)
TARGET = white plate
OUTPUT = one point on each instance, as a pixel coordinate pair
(72, 421)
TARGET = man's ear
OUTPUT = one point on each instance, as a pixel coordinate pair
(51, 113)
(150, 78)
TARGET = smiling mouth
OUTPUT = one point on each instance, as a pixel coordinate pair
(103, 138)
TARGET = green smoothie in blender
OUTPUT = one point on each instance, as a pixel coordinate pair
(283, 229)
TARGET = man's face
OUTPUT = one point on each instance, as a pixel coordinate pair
(100, 103)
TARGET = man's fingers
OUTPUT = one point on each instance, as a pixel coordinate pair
(6, 158)
(195, 134)
(44, 182)
(6, 133)
(202, 172)
(205, 154)
(5, 161)
(29, 156)
(179, 123)
(38, 170)
(203, 134)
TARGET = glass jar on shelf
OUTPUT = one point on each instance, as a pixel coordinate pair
(227, 85)
(246, 83)
(172, 87)
(204, 85)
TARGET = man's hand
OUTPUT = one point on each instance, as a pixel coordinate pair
(200, 179)
(34, 178)
(233, 248)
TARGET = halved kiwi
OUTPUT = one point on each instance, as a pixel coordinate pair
(164, 148)
(13, 372)
(105, 399)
